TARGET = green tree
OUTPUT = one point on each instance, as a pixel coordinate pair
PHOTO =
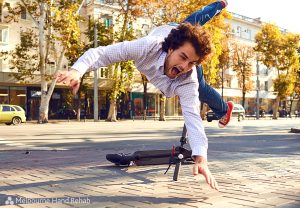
(57, 26)
(104, 37)
(279, 50)
(122, 73)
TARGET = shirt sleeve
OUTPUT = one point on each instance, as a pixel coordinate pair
(190, 104)
(102, 56)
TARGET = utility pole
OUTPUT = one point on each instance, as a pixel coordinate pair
(257, 87)
(96, 113)
(222, 81)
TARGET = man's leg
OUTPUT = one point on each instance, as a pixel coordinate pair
(206, 13)
(209, 95)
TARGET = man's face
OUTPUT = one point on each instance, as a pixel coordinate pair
(180, 61)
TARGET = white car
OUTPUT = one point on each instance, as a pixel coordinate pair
(237, 110)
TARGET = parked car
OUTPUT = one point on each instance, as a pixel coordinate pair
(237, 110)
(12, 114)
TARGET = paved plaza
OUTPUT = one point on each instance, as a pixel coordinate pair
(62, 164)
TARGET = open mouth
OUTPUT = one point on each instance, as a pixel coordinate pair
(175, 71)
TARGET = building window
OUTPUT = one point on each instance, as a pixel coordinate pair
(107, 22)
(106, 1)
(247, 31)
(3, 35)
(1, 8)
(23, 13)
(50, 68)
(109, 1)
(238, 31)
(266, 86)
(266, 71)
(103, 72)
(227, 83)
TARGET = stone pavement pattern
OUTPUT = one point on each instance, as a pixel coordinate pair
(246, 178)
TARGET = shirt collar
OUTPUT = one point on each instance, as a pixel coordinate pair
(161, 61)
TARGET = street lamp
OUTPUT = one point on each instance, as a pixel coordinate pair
(257, 87)
(222, 81)
(96, 113)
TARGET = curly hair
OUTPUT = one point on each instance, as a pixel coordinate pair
(195, 34)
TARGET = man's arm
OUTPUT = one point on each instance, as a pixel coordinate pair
(188, 94)
(102, 56)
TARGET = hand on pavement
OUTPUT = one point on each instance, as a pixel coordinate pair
(70, 78)
(201, 167)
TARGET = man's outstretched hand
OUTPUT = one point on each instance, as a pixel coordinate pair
(201, 167)
(70, 78)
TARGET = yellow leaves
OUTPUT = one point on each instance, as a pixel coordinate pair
(279, 50)
(284, 85)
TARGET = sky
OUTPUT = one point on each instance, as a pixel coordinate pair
(285, 14)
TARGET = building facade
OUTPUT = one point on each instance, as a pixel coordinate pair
(244, 30)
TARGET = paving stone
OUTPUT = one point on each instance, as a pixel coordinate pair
(246, 179)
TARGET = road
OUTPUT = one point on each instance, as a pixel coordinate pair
(62, 164)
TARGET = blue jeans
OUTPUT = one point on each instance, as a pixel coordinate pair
(210, 96)
(205, 14)
(207, 94)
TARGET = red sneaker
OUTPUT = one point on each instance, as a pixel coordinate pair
(224, 2)
(223, 122)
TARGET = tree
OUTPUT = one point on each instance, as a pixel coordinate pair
(145, 83)
(122, 73)
(162, 99)
(297, 84)
(224, 60)
(242, 59)
(280, 51)
(104, 37)
(162, 11)
(57, 26)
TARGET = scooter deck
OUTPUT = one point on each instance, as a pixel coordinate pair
(152, 157)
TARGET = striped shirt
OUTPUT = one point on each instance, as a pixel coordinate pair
(149, 60)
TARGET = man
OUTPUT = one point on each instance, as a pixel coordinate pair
(168, 63)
